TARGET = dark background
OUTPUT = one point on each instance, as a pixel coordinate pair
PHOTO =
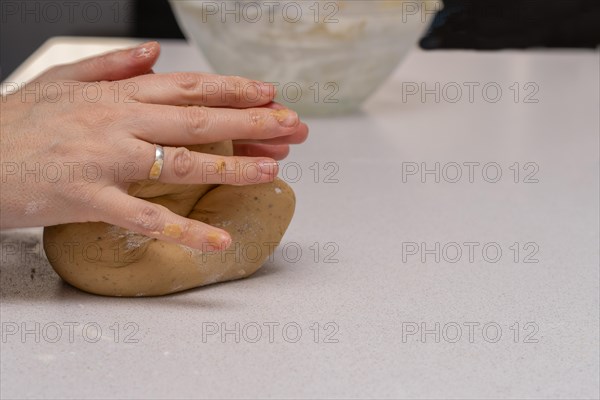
(482, 24)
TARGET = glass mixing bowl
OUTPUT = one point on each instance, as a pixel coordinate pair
(324, 57)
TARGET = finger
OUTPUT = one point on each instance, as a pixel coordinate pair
(299, 136)
(276, 152)
(188, 88)
(116, 65)
(183, 166)
(275, 106)
(168, 125)
(156, 221)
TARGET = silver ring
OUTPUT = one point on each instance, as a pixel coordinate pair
(159, 159)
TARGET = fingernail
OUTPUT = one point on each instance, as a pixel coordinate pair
(267, 90)
(220, 240)
(285, 117)
(269, 167)
(143, 50)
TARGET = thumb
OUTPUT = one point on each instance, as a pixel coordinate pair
(116, 65)
(156, 221)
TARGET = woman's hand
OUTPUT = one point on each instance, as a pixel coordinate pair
(76, 137)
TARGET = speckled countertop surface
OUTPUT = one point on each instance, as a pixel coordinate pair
(348, 307)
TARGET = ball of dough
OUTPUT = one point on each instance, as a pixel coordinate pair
(108, 260)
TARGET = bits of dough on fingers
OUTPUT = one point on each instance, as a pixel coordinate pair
(108, 260)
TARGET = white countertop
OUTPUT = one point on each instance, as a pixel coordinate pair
(370, 308)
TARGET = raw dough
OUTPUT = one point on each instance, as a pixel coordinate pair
(105, 259)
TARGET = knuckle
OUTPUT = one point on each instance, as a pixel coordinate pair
(186, 81)
(182, 162)
(149, 218)
(232, 87)
(197, 120)
(256, 118)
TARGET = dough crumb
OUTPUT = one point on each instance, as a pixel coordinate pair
(277, 190)
(172, 230)
(280, 115)
(156, 169)
(221, 224)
